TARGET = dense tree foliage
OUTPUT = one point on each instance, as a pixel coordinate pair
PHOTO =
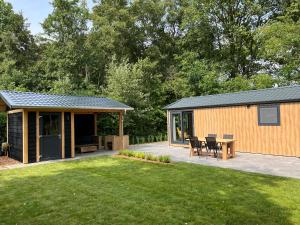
(148, 53)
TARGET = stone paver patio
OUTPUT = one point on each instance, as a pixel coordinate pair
(265, 164)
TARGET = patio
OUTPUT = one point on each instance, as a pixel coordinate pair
(257, 163)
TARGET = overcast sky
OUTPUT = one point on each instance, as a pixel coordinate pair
(35, 11)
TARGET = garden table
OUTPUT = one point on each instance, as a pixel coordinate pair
(226, 143)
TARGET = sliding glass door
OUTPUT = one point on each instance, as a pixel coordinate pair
(176, 128)
(181, 126)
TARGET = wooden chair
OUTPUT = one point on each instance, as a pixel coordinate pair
(212, 145)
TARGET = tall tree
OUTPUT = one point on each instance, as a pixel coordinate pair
(18, 50)
(65, 57)
(280, 45)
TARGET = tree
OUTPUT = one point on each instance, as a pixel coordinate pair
(18, 50)
(137, 86)
(280, 45)
(64, 56)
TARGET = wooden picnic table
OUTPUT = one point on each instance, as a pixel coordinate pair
(226, 143)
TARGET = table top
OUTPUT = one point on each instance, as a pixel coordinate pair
(220, 140)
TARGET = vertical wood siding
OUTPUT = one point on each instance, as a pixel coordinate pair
(242, 122)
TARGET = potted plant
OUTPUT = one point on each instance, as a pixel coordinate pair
(5, 148)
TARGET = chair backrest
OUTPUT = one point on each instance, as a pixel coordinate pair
(193, 142)
(228, 136)
(212, 135)
(211, 142)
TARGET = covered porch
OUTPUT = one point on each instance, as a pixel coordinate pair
(89, 136)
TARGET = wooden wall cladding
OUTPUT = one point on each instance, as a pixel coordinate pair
(242, 122)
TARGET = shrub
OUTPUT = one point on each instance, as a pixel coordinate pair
(164, 158)
(131, 153)
(147, 156)
(140, 155)
(123, 152)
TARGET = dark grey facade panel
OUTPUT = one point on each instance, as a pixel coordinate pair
(15, 135)
(67, 135)
(31, 137)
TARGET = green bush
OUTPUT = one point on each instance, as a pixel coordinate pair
(124, 152)
(147, 156)
(140, 155)
(164, 158)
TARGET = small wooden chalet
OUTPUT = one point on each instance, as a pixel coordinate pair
(45, 127)
(265, 121)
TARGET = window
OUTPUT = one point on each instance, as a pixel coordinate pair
(50, 124)
(268, 115)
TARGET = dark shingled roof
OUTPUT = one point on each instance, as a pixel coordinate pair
(16, 100)
(270, 95)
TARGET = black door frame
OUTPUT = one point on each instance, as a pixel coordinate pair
(180, 113)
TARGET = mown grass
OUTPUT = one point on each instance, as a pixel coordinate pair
(106, 190)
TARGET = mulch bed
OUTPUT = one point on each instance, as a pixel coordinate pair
(6, 161)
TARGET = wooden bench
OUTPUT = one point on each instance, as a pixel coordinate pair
(87, 148)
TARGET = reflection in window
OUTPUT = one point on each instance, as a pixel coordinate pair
(176, 127)
(50, 124)
(269, 115)
(187, 120)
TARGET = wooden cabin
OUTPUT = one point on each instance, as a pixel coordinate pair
(265, 121)
(45, 127)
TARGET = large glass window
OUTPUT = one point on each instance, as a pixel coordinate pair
(268, 115)
(181, 126)
(176, 127)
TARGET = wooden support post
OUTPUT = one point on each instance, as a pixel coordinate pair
(37, 136)
(62, 135)
(224, 151)
(95, 124)
(121, 131)
(25, 137)
(72, 135)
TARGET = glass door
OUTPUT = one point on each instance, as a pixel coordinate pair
(181, 126)
(50, 136)
(187, 125)
(176, 128)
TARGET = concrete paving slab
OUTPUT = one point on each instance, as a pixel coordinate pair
(258, 163)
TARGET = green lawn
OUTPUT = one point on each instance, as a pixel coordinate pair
(107, 190)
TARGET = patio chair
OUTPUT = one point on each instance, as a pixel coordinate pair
(195, 144)
(212, 135)
(212, 145)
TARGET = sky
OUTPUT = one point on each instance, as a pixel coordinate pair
(35, 11)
